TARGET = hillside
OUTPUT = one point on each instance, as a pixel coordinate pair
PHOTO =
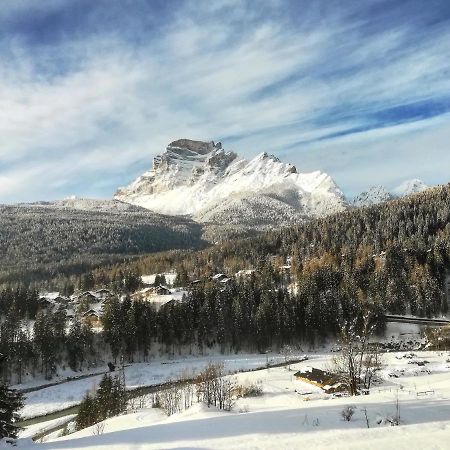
(41, 240)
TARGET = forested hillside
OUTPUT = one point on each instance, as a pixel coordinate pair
(45, 240)
(396, 254)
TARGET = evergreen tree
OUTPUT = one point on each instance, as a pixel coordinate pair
(87, 413)
(10, 403)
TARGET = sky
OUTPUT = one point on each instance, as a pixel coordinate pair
(90, 90)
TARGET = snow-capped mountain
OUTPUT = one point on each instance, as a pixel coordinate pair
(373, 196)
(409, 187)
(379, 194)
(214, 185)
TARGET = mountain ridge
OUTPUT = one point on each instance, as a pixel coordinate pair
(378, 193)
(203, 180)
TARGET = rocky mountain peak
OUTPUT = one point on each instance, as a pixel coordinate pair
(203, 179)
(187, 146)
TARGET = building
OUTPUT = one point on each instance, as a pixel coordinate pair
(46, 304)
(327, 381)
(92, 317)
(219, 277)
(103, 293)
(87, 296)
(162, 290)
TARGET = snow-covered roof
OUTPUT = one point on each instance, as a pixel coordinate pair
(218, 276)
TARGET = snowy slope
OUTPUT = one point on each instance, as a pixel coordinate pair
(373, 196)
(292, 414)
(202, 179)
(86, 204)
(409, 187)
(379, 194)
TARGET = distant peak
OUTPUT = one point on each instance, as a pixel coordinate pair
(265, 155)
(373, 195)
(200, 147)
(409, 187)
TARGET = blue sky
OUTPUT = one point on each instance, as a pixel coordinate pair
(90, 90)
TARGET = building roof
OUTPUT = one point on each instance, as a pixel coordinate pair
(318, 376)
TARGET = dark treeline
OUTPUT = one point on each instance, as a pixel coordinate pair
(30, 348)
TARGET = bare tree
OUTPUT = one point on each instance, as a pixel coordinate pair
(287, 352)
(170, 398)
(214, 388)
(358, 360)
(98, 429)
(347, 413)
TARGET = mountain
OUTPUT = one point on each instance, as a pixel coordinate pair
(41, 240)
(379, 194)
(373, 196)
(409, 187)
(203, 180)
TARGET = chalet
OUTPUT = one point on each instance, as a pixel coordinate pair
(92, 317)
(87, 296)
(46, 304)
(327, 381)
(218, 277)
(103, 293)
(245, 273)
(162, 290)
(63, 301)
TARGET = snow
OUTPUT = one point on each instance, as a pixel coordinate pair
(189, 185)
(409, 187)
(61, 396)
(150, 279)
(32, 430)
(373, 196)
(378, 194)
(292, 414)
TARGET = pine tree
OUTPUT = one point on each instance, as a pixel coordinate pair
(10, 402)
(87, 413)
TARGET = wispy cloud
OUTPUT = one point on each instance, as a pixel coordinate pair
(87, 99)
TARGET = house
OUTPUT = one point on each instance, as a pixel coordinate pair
(87, 296)
(103, 293)
(245, 273)
(218, 277)
(162, 290)
(327, 381)
(46, 304)
(60, 300)
(92, 317)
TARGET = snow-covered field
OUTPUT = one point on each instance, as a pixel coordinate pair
(294, 414)
(62, 396)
